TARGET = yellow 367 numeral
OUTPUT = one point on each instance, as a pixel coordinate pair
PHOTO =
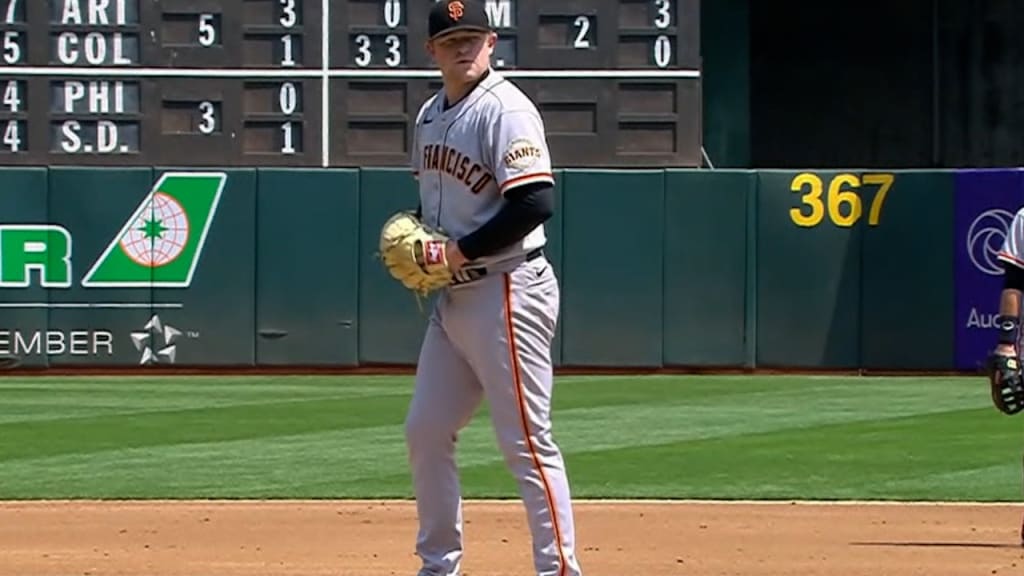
(845, 206)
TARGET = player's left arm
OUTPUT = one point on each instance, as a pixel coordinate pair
(517, 153)
(518, 150)
(1011, 256)
(1003, 367)
(525, 208)
(1007, 322)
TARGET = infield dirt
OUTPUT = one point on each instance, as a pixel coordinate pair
(371, 538)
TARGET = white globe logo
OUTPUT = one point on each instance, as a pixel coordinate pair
(159, 234)
(985, 238)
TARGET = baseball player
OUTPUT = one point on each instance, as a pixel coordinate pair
(484, 174)
(1004, 369)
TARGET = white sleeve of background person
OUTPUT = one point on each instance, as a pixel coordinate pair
(519, 149)
(1013, 247)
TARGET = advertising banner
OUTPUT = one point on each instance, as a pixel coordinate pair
(986, 201)
(111, 267)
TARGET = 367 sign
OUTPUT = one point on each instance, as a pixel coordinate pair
(842, 198)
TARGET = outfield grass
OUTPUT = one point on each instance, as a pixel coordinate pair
(654, 436)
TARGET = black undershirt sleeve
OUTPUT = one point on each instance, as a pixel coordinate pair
(1013, 278)
(526, 207)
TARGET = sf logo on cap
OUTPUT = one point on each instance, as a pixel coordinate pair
(456, 10)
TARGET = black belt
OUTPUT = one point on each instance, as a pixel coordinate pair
(466, 275)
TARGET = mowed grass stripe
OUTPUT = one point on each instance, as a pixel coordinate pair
(746, 389)
(164, 382)
(923, 457)
(960, 456)
(60, 405)
(998, 482)
(204, 392)
(157, 425)
(150, 429)
(353, 447)
(49, 416)
(198, 388)
(267, 467)
(613, 444)
(581, 430)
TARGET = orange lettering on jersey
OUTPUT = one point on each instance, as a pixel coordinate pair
(451, 160)
(428, 157)
(522, 154)
(463, 168)
(468, 180)
(482, 183)
(457, 165)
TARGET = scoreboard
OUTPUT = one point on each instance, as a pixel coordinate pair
(331, 82)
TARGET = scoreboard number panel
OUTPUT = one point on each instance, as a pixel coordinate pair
(372, 119)
(570, 34)
(195, 115)
(238, 33)
(376, 34)
(331, 82)
(657, 33)
(652, 120)
(281, 122)
(194, 34)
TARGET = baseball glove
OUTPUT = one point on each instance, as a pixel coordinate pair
(414, 253)
(1004, 376)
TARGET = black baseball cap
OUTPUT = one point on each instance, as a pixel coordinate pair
(451, 15)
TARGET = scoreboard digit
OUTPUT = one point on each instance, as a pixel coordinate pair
(373, 34)
(331, 82)
(13, 105)
(275, 112)
(13, 119)
(14, 33)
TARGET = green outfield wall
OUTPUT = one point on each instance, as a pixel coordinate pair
(659, 268)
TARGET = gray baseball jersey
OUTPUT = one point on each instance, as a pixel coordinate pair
(489, 337)
(468, 156)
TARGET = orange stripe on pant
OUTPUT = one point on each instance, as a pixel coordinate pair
(518, 384)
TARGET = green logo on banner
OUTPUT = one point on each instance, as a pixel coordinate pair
(160, 244)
